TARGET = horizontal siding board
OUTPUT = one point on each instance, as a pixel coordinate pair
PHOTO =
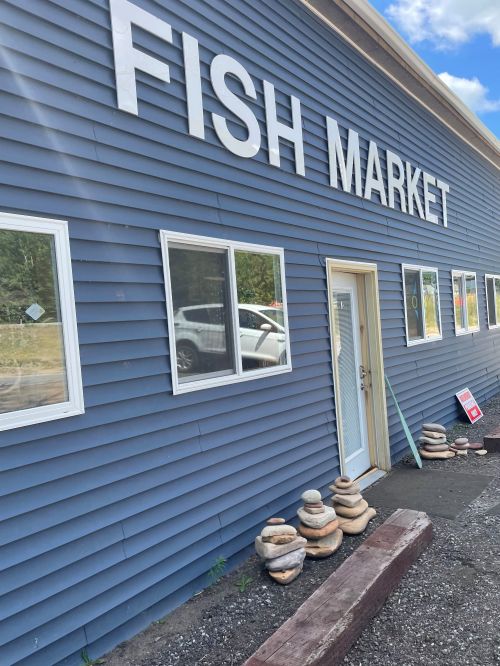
(93, 543)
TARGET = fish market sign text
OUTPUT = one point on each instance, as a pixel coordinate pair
(416, 189)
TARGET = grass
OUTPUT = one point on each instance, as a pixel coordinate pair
(217, 569)
(29, 347)
(87, 661)
(243, 582)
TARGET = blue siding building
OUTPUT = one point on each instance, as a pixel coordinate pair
(221, 224)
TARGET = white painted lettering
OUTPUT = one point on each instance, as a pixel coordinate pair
(337, 160)
(194, 99)
(222, 65)
(374, 179)
(429, 197)
(393, 182)
(444, 188)
(411, 186)
(276, 129)
(124, 14)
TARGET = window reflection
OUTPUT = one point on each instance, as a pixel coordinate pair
(260, 310)
(413, 305)
(202, 319)
(32, 363)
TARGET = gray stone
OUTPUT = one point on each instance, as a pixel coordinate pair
(267, 551)
(343, 482)
(354, 489)
(288, 561)
(311, 496)
(274, 530)
(347, 500)
(481, 452)
(428, 440)
(434, 427)
(436, 447)
(318, 520)
(314, 510)
(275, 521)
(432, 435)
(461, 440)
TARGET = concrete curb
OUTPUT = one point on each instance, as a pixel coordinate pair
(329, 622)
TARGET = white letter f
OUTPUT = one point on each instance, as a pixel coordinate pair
(127, 58)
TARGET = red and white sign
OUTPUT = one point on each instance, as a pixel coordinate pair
(468, 402)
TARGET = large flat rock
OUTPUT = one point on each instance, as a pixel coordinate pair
(444, 494)
(329, 622)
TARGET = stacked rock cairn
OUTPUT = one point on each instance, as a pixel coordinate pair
(319, 525)
(282, 550)
(461, 445)
(352, 510)
(433, 445)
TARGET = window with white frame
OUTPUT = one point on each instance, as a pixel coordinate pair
(421, 300)
(40, 376)
(465, 305)
(227, 313)
(493, 299)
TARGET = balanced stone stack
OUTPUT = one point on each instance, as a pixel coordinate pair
(282, 550)
(352, 510)
(433, 445)
(460, 446)
(319, 525)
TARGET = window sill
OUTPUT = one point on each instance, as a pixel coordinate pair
(36, 415)
(413, 343)
(468, 332)
(226, 380)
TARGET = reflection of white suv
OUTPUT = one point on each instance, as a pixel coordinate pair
(200, 331)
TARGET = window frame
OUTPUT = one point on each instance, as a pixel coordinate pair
(494, 276)
(463, 274)
(63, 270)
(231, 247)
(421, 269)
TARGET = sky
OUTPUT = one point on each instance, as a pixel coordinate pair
(460, 41)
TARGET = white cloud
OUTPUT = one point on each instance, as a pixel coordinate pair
(472, 92)
(447, 23)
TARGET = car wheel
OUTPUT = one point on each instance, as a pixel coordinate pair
(187, 357)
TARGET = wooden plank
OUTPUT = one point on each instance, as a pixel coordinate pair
(491, 441)
(329, 622)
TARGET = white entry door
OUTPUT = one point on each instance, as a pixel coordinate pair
(351, 372)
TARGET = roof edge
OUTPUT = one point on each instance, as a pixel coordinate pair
(369, 33)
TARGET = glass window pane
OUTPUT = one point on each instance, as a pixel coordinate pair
(471, 292)
(260, 306)
(413, 304)
(497, 300)
(202, 312)
(458, 302)
(431, 304)
(490, 295)
(32, 362)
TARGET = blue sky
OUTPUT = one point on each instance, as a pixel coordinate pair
(460, 41)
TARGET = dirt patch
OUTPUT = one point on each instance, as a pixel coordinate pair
(444, 612)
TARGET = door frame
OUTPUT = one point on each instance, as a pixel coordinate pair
(369, 310)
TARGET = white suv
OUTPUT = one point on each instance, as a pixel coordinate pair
(200, 332)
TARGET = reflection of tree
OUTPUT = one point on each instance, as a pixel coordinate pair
(197, 278)
(27, 267)
(258, 278)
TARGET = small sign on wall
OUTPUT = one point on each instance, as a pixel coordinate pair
(468, 402)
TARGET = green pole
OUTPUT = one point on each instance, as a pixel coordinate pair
(412, 444)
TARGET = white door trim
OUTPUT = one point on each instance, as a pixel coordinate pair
(378, 432)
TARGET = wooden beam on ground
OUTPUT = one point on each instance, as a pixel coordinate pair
(491, 441)
(329, 622)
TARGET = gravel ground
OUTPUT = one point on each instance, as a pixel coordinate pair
(445, 612)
